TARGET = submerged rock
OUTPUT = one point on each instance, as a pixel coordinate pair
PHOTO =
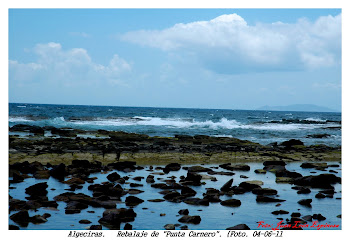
(196, 219)
(239, 227)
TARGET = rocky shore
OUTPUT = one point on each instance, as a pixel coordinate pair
(63, 145)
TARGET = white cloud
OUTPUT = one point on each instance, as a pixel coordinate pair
(228, 44)
(67, 67)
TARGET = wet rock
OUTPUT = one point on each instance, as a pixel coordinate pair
(320, 195)
(58, 172)
(184, 212)
(197, 169)
(260, 171)
(233, 167)
(112, 218)
(304, 191)
(125, 166)
(156, 200)
(313, 165)
(113, 177)
(85, 222)
(264, 191)
(305, 202)
(320, 181)
(133, 201)
(295, 215)
(261, 198)
(250, 185)
(307, 218)
(291, 143)
(231, 203)
(196, 219)
(243, 177)
(284, 180)
(196, 201)
(42, 174)
(72, 211)
(75, 181)
(169, 227)
(187, 191)
(135, 191)
(172, 167)
(278, 212)
(127, 226)
(184, 227)
(38, 219)
(239, 227)
(193, 178)
(318, 217)
(150, 179)
(227, 186)
(274, 163)
(22, 218)
(207, 177)
(37, 190)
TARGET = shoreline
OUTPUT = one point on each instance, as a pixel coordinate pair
(64, 146)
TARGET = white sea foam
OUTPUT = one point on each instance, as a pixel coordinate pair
(15, 119)
(315, 119)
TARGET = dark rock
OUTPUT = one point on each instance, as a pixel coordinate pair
(319, 181)
(187, 191)
(84, 221)
(313, 165)
(318, 217)
(278, 212)
(42, 174)
(58, 172)
(196, 201)
(169, 227)
(22, 218)
(38, 219)
(239, 227)
(150, 179)
(264, 191)
(304, 191)
(320, 195)
(295, 215)
(197, 169)
(127, 226)
(227, 186)
(196, 219)
(260, 171)
(113, 177)
(156, 200)
(261, 198)
(249, 186)
(238, 167)
(231, 203)
(305, 202)
(307, 218)
(38, 189)
(184, 212)
(274, 163)
(291, 143)
(133, 201)
(112, 218)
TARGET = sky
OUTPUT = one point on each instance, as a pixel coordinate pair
(185, 58)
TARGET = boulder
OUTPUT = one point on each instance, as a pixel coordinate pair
(261, 198)
(305, 202)
(113, 176)
(231, 203)
(196, 219)
(227, 186)
(133, 201)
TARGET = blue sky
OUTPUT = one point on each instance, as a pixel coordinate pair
(202, 58)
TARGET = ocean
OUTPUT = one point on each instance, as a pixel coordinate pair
(263, 127)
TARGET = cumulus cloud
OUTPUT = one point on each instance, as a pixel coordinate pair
(67, 67)
(227, 44)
